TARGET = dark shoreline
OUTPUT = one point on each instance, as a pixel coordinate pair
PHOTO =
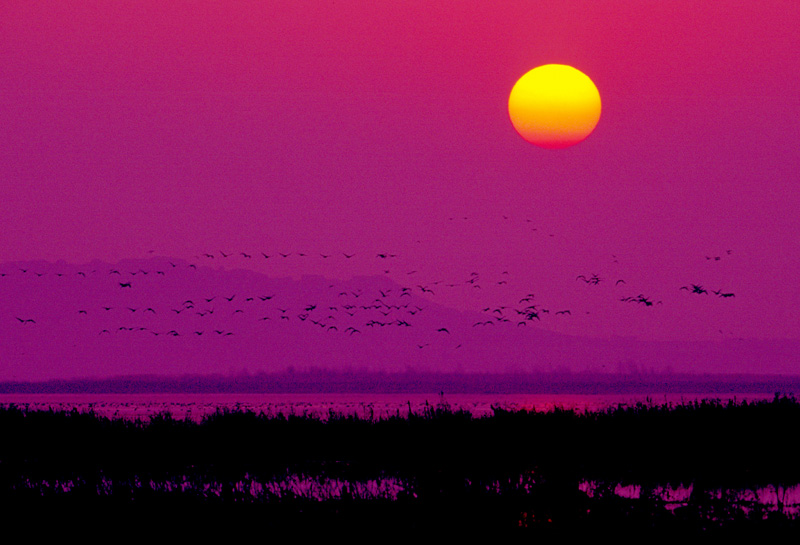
(324, 381)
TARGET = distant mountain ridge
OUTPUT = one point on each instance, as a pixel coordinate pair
(162, 316)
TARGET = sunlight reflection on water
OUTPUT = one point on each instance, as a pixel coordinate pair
(770, 497)
(291, 486)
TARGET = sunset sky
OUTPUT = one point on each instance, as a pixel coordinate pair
(181, 128)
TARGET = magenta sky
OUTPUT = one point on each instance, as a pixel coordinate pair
(197, 127)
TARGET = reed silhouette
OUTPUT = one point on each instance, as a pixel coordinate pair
(441, 467)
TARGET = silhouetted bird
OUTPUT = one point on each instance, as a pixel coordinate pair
(695, 289)
(720, 294)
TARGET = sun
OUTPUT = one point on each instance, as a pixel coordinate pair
(554, 106)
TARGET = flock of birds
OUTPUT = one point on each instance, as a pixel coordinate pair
(350, 312)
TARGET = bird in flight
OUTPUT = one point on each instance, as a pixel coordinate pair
(696, 288)
(639, 299)
(594, 279)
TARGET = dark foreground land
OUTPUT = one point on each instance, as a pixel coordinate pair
(556, 472)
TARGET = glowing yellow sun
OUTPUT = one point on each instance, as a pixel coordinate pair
(554, 106)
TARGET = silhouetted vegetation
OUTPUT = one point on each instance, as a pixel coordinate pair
(439, 468)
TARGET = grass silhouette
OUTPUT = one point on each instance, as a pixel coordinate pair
(441, 467)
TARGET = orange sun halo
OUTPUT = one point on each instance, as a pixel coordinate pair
(554, 106)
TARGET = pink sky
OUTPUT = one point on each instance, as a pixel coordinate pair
(197, 127)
